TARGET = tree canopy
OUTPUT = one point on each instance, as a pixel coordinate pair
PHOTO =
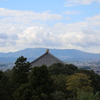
(56, 82)
(78, 81)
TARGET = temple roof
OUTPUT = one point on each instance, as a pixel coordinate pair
(46, 59)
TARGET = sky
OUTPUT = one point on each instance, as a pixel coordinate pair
(55, 24)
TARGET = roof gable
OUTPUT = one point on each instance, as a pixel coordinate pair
(46, 59)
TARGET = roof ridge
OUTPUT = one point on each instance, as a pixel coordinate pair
(39, 57)
(48, 59)
(56, 58)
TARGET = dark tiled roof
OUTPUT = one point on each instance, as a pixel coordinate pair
(46, 59)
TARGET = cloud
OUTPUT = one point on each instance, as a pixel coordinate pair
(6, 44)
(74, 35)
(71, 12)
(79, 2)
(38, 36)
(23, 16)
(19, 31)
(8, 39)
(96, 17)
(3, 36)
(94, 22)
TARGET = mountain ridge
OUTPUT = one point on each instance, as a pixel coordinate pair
(33, 53)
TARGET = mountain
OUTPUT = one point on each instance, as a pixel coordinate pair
(63, 54)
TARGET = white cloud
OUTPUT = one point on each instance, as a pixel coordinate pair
(38, 36)
(74, 35)
(23, 16)
(19, 31)
(96, 17)
(71, 12)
(94, 21)
(79, 2)
(3, 36)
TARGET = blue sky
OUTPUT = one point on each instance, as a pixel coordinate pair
(62, 24)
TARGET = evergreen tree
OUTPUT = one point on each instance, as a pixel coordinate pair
(4, 91)
(41, 83)
(40, 86)
(59, 68)
(20, 72)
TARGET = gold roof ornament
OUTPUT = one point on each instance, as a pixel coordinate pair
(47, 50)
(46, 59)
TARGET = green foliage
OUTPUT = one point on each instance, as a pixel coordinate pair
(81, 95)
(39, 87)
(4, 94)
(23, 92)
(48, 83)
(56, 69)
(94, 77)
(20, 72)
(78, 81)
(8, 73)
(72, 67)
(40, 81)
(58, 95)
(59, 82)
(59, 68)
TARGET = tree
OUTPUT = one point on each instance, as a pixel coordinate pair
(72, 67)
(23, 92)
(78, 81)
(81, 95)
(55, 69)
(59, 82)
(59, 68)
(20, 72)
(94, 77)
(4, 92)
(39, 87)
(58, 95)
(60, 92)
(40, 82)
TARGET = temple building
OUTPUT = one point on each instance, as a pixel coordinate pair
(46, 59)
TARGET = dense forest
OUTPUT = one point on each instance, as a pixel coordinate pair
(56, 82)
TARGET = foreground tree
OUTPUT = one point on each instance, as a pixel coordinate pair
(78, 81)
(94, 77)
(23, 92)
(41, 83)
(81, 95)
(60, 92)
(4, 91)
(20, 72)
(59, 68)
(39, 87)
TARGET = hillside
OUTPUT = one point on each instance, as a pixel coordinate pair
(63, 54)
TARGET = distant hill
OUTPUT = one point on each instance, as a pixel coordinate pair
(63, 54)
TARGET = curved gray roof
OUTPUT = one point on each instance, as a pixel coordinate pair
(46, 59)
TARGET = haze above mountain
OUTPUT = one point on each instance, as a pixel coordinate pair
(63, 54)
